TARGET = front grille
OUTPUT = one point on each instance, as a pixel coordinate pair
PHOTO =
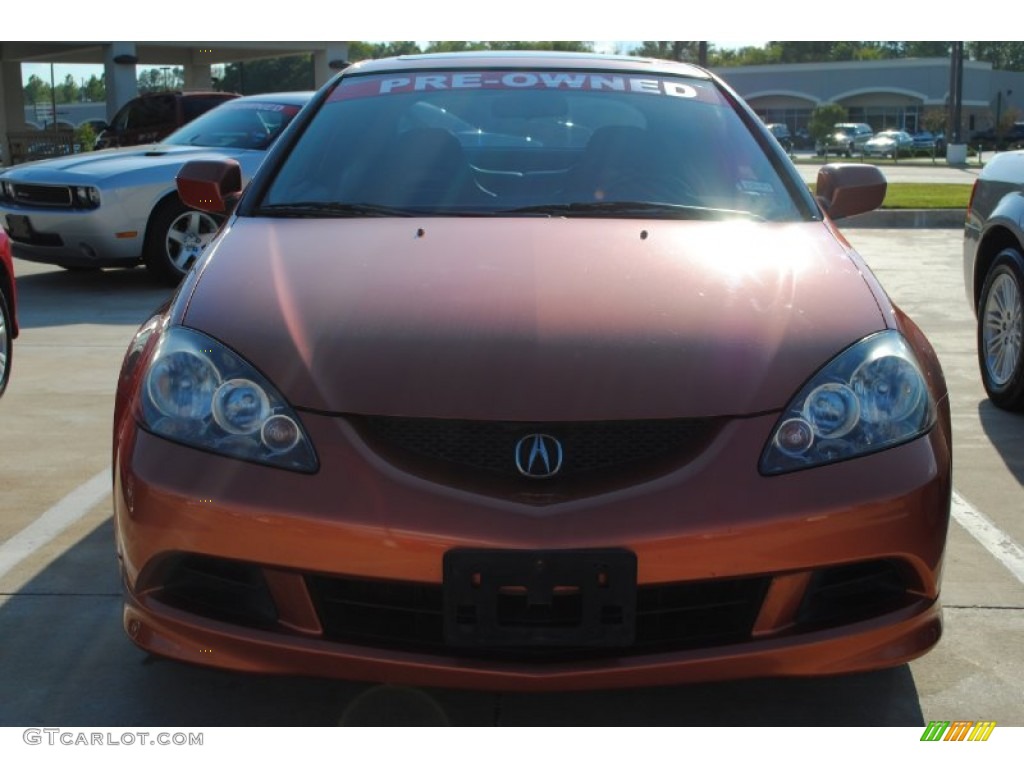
(379, 613)
(42, 194)
(597, 454)
(409, 616)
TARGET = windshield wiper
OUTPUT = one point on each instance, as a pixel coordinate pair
(317, 210)
(631, 208)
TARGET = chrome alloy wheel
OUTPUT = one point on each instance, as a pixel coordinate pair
(1001, 329)
(187, 238)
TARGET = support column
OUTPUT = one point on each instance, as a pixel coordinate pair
(197, 70)
(327, 62)
(12, 101)
(119, 60)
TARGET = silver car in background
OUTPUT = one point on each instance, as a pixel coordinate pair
(889, 144)
(120, 207)
(994, 276)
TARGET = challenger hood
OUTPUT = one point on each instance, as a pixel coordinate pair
(533, 319)
(89, 167)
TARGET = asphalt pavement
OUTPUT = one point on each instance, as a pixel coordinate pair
(65, 659)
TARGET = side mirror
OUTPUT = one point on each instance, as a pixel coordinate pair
(213, 186)
(846, 189)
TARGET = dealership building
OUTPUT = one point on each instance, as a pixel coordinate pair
(888, 93)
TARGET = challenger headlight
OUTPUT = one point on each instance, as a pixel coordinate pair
(86, 197)
(198, 392)
(870, 397)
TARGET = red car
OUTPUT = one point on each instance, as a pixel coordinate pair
(531, 372)
(8, 316)
(150, 117)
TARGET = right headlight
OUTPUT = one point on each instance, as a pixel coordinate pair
(198, 392)
(870, 397)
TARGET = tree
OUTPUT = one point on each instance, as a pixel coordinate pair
(95, 89)
(673, 50)
(359, 51)
(279, 73)
(929, 49)
(37, 91)
(85, 137)
(539, 45)
(822, 123)
(454, 46)
(160, 79)
(934, 120)
(67, 92)
(1006, 56)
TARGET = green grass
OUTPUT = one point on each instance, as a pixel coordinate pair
(925, 195)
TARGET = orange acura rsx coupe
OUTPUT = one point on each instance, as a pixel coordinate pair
(530, 372)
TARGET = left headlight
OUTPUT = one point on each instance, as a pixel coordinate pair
(198, 392)
(86, 197)
(870, 397)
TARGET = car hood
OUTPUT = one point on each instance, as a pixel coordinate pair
(80, 168)
(533, 319)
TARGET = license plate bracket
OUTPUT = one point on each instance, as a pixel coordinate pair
(539, 598)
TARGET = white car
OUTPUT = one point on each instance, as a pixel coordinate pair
(119, 207)
(994, 276)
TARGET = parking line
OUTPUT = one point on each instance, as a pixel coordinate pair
(53, 521)
(985, 532)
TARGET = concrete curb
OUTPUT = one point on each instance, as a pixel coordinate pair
(938, 218)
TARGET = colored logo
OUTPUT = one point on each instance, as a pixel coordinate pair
(538, 456)
(958, 730)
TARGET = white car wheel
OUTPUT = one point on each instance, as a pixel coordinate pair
(1001, 330)
(176, 238)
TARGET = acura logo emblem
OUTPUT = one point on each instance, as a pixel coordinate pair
(538, 456)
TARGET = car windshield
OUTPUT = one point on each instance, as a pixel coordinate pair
(531, 143)
(237, 124)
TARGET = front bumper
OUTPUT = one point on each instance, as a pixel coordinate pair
(744, 564)
(73, 237)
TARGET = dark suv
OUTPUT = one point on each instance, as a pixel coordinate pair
(1010, 138)
(151, 116)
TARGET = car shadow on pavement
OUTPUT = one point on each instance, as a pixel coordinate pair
(66, 661)
(57, 298)
(1006, 432)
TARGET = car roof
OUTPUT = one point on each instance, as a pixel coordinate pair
(156, 94)
(288, 97)
(515, 59)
